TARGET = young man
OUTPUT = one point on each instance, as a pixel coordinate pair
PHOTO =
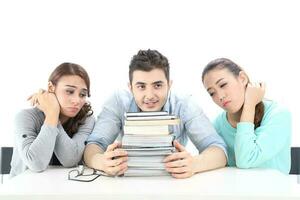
(150, 85)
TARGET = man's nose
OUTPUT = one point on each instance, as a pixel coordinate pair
(149, 93)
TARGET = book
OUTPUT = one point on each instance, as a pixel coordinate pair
(148, 165)
(153, 151)
(151, 117)
(145, 113)
(174, 121)
(145, 172)
(147, 141)
(148, 153)
(147, 162)
(146, 159)
(147, 130)
(150, 149)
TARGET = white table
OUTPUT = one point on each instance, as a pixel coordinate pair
(226, 183)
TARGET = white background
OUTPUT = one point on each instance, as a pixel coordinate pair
(102, 36)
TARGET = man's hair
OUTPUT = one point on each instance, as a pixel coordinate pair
(147, 60)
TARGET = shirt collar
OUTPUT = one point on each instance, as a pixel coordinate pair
(167, 106)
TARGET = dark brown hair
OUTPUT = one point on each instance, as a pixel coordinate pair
(72, 124)
(224, 63)
(147, 60)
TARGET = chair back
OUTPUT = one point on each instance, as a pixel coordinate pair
(295, 160)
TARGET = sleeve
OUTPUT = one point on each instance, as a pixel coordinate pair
(216, 124)
(35, 146)
(69, 150)
(254, 147)
(108, 125)
(200, 129)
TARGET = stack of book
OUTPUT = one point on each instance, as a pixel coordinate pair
(148, 141)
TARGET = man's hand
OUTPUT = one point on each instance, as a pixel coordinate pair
(114, 160)
(180, 164)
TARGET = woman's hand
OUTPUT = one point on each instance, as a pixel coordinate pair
(48, 103)
(180, 164)
(254, 93)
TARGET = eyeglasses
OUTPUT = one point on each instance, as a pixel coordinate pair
(84, 174)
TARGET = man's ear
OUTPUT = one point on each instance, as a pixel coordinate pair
(51, 87)
(170, 84)
(129, 86)
(243, 77)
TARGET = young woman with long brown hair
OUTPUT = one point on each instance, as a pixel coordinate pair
(54, 131)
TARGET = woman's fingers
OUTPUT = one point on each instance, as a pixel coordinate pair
(34, 97)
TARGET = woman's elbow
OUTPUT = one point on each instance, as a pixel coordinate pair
(70, 163)
(37, 167)
(242, 163)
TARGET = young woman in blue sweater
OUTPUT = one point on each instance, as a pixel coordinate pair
(257, 131)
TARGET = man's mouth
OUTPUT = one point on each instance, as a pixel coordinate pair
(150, 104)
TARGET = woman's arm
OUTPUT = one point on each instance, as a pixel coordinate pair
(69, 150)
(36, 133)
(254, 147)
(34, 140)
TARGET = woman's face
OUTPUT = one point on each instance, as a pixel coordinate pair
(226, 90)
(71, 92)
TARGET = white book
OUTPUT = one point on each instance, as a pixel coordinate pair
(146, 130)
(149, 153)
(170, 148)
(142, 165)
(162, 117)
(147, 113)
(159, 151)
(145, 172)
(146, 159)
(162, 122)
(147, 141)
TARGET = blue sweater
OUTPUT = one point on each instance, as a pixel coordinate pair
(268, 146)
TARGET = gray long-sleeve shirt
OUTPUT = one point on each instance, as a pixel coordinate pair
(35, 142)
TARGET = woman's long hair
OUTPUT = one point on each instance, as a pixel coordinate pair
(232, 67)
(72, 124)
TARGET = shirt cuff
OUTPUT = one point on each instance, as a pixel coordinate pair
(245, 127)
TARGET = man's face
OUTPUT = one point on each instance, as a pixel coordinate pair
(150, 89)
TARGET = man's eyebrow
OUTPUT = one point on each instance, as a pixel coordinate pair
(157, 82)
(140, 83)
(154, 83)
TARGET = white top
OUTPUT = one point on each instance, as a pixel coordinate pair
(225, 183)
